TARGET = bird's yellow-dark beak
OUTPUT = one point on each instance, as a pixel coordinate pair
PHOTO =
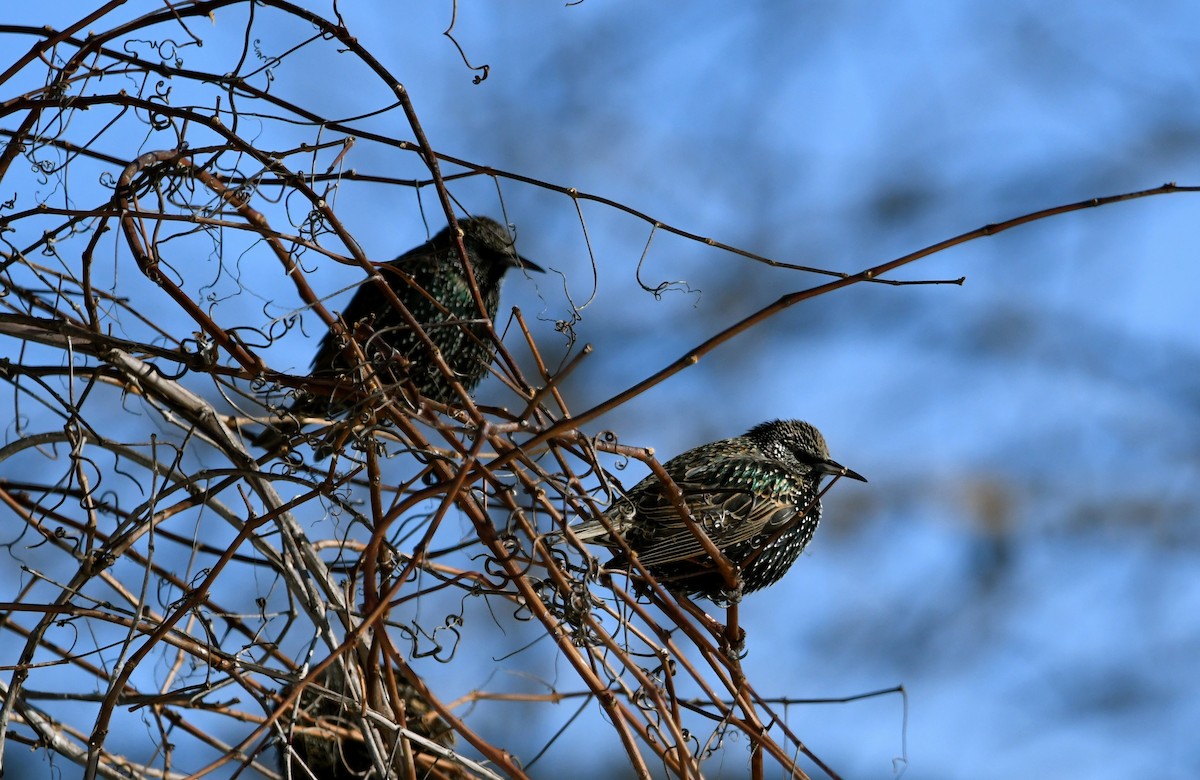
(833, 468)
(525, 264)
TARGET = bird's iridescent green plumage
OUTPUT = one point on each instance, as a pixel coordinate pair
(755, 496)
(431, 283)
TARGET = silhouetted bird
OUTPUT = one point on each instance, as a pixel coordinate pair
(329, 743)
(430, 281)
(755, 496)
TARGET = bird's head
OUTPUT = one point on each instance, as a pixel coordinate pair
(491, 247)
(799, 442)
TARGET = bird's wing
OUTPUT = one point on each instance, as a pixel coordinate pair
(733, 499)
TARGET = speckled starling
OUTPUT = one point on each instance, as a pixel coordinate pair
(328, 743)
(755, 496)
(430, 281)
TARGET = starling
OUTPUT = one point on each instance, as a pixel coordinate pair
(430, 281)
(755, 496)
(340, 753)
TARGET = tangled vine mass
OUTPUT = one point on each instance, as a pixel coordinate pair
(179, 602)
